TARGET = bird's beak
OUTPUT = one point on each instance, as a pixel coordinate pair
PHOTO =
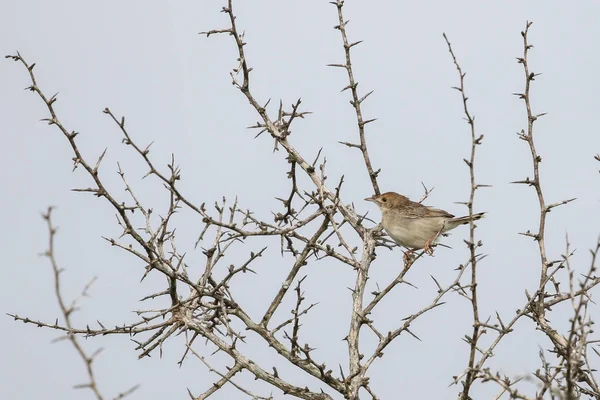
(372, 199)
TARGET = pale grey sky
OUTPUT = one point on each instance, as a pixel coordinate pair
(145, 60)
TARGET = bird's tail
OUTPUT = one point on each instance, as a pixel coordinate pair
(454, 222)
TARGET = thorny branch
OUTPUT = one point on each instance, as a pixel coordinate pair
(279, 128)
(225, 378)
(560, 379)
(67, 311)
(536, 183)
(305, 231)
(356, 101)
(538, 312)
(471, 243)
(210, 304)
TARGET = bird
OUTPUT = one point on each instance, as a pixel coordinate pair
(413, 225)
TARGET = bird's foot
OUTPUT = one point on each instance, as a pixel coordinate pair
(407, 256)
(428, 249)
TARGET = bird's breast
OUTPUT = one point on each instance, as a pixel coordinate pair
(411, 232)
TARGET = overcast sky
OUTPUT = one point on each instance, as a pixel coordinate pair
(145, 60)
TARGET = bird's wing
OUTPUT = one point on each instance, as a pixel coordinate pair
(418, 210)
(435, 212)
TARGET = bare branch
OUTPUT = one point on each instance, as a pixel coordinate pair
(356, 99)
(472, 244)
(67, 312)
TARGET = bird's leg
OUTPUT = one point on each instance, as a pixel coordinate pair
(407, 255)
(428, 243)
(427, 246)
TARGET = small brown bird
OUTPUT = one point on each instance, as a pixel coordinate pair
(414, 225)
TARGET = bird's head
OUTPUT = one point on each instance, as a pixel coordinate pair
(389, 200)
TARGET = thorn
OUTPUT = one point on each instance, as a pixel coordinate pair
(353, 44)
(365, 96)
(52, 99)
(95, 170)
(526, 181)
(560, 203)
(363, 123)
(350, 144)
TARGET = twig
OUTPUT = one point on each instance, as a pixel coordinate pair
(471, 244)
(356, 99)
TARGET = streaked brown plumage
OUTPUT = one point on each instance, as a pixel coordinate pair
(412, 224)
